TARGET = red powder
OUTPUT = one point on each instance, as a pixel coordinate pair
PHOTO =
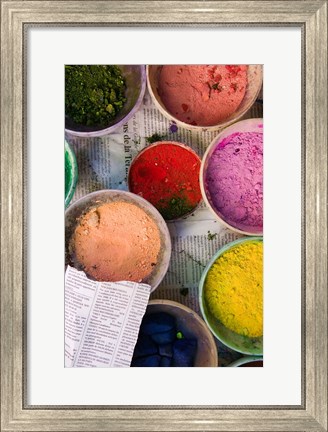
(167, 175)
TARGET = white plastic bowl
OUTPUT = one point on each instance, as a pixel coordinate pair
(249, 125)
(243, 344)
(95, 199)
(135, 77)
(254, 83)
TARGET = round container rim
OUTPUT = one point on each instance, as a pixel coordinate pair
(202, 280)
(74, 171)
(166, 231)
(178, 144)
(198, 127)
(245, 360)
(202, 186)
(110, 129)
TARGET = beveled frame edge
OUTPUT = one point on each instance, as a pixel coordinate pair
(312, 17)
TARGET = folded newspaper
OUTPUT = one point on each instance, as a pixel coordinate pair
(102, 320)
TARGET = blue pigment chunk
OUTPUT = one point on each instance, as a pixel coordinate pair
(165, 362)
(144, 346)
(164, 338)
(149, 361)
(157, 323)
(184, 352)
(165, 350)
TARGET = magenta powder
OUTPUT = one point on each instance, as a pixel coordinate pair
(234, 180)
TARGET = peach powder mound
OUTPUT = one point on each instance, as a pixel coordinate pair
(116, 241)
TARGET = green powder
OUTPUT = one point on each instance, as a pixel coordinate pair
(94, 94)
(175, 207)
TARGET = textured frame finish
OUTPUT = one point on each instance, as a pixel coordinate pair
(311, 16)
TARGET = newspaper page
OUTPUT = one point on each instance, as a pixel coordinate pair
(102, 320)
(104, 163)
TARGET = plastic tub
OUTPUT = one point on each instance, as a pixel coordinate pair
(254, 77)
(135, 76)
(250, 125)
(235, 341)
(71, 173)
(95, 199)
(159, 167)
(191, 325)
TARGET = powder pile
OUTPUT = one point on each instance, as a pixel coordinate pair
(234, 180)
(202, 95)
(116, 241)
(94, 94)
(167, 175)
(234, 289)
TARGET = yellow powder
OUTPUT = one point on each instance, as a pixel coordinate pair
(234, 289)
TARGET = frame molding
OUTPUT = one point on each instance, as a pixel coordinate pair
(311, 16)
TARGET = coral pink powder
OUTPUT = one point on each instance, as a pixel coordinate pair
(202, 95)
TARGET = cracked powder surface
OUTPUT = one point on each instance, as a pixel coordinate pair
(234, 180)
(116, 241)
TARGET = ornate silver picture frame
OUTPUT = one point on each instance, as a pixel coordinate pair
(311, 18)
